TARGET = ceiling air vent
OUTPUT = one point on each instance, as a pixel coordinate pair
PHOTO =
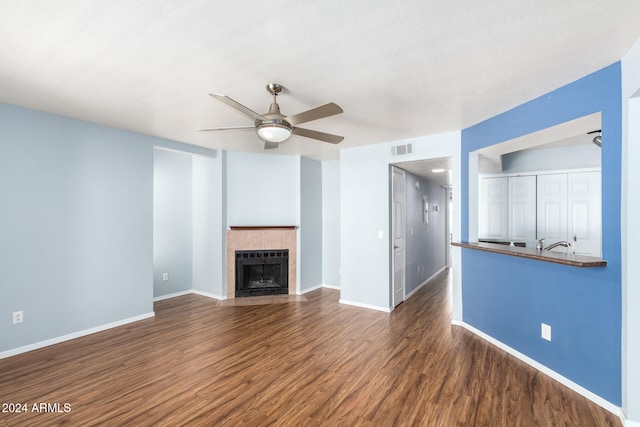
(402, 150)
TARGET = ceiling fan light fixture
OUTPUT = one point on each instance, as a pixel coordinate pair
(274, 132)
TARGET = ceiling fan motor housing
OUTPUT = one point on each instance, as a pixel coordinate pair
(275, 88)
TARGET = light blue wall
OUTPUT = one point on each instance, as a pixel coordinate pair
(571, 157)
(310, 224)
(425, 244)
(172, 222)
(364, 212)
(263, 189)
(209, 252)
(76, 226)
(188, 223)
(583, 306)
(331, 223)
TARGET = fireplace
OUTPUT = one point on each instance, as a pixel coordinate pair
(261, 238)
(262, 272)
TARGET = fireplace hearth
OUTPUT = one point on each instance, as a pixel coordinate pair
(262, 272)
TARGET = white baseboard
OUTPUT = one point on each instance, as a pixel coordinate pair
(189, 292)
(208, 295)
(173, 295)
(369, 306)
(306, 291)
(433, 276)
(551, 373)
(74, 335)
(315, 288)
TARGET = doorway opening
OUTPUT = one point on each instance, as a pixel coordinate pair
(420, 229)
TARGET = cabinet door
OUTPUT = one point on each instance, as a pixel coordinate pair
(522, 209)
(552, 208)
(585, 213)
(493, 209)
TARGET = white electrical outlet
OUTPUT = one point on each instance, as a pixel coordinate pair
(380, 234)
(546, 331)
(165, 277)
(18, 317)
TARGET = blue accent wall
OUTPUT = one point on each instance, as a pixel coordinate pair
(508, 297)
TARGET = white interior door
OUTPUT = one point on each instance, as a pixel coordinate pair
(397, 239)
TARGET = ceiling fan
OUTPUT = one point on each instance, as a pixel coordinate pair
(273, 127)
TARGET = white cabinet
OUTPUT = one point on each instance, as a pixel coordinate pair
(522, 209)
(569, 208)
(508, 209)
(552, 208)
(493, 209)
(584, 205)
(555, 206)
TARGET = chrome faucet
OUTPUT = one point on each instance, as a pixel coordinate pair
(556, 244)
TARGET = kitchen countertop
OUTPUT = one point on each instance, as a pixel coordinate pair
(547, 256)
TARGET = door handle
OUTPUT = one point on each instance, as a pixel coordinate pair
(396, 247)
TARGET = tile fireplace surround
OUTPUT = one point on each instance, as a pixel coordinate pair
(260, 238)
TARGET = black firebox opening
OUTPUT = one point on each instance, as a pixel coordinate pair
(264, 272)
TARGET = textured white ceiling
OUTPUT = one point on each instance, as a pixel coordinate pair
(399, 69)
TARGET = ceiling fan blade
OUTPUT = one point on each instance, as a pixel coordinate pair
(270, 145)
(227, 128)
(321, 112)
(321, 136)
(234, 104)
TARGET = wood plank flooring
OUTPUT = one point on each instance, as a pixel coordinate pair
(305, 361)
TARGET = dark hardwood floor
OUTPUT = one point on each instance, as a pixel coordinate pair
(304, 361)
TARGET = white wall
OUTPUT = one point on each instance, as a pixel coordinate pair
(331, 223)
(630, 234)
(364, 206)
